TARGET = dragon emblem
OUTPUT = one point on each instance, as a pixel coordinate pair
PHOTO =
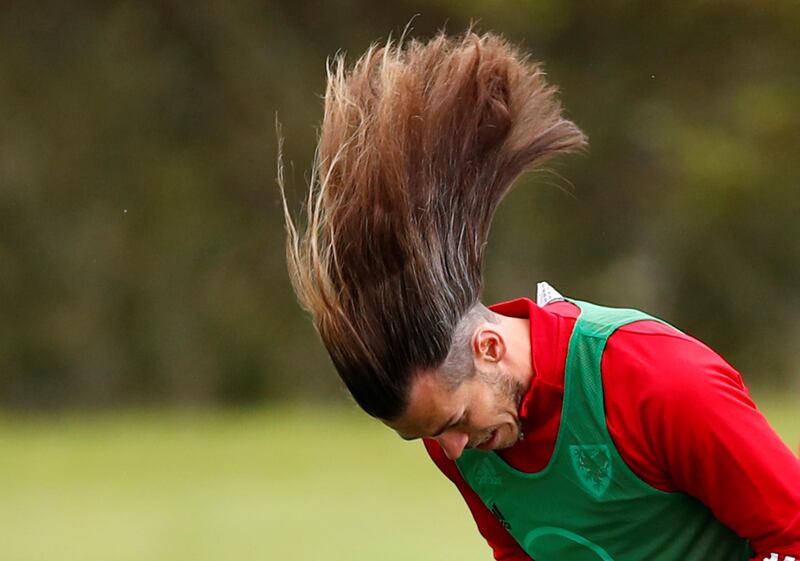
(592, 464)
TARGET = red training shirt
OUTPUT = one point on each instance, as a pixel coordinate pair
(680, 417)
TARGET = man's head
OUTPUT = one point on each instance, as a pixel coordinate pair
(472, 400)
(418, 145)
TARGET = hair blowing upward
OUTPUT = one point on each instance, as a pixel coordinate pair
(418, 145)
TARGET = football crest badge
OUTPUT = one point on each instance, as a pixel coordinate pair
(592, 464)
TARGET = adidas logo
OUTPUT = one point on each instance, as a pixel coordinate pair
(485, 474)
(777, 557)
(499, 515)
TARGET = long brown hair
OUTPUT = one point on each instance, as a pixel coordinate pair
(418, 145)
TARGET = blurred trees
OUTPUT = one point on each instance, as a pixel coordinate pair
(141, 241)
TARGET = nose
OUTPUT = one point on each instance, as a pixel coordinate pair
(452, 443)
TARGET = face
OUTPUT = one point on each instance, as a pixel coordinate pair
(482, 412)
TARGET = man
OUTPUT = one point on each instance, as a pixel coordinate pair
(573, 431)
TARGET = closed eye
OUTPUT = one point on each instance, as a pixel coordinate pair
(453, 422)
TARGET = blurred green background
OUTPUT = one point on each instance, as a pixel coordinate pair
(161, 394)
(289, 482)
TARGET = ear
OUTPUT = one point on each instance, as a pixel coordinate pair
(488, 344)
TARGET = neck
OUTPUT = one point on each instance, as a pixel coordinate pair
(518, 357)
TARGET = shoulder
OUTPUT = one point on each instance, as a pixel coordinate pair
(658, 357)
(660, 386)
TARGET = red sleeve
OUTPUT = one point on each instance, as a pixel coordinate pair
(504, 547)
(688, 424)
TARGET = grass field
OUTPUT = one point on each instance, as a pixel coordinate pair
(281, 484)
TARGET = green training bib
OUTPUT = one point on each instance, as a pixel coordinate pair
(587, 505)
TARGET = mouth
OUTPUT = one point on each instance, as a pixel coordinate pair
(488, 443)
